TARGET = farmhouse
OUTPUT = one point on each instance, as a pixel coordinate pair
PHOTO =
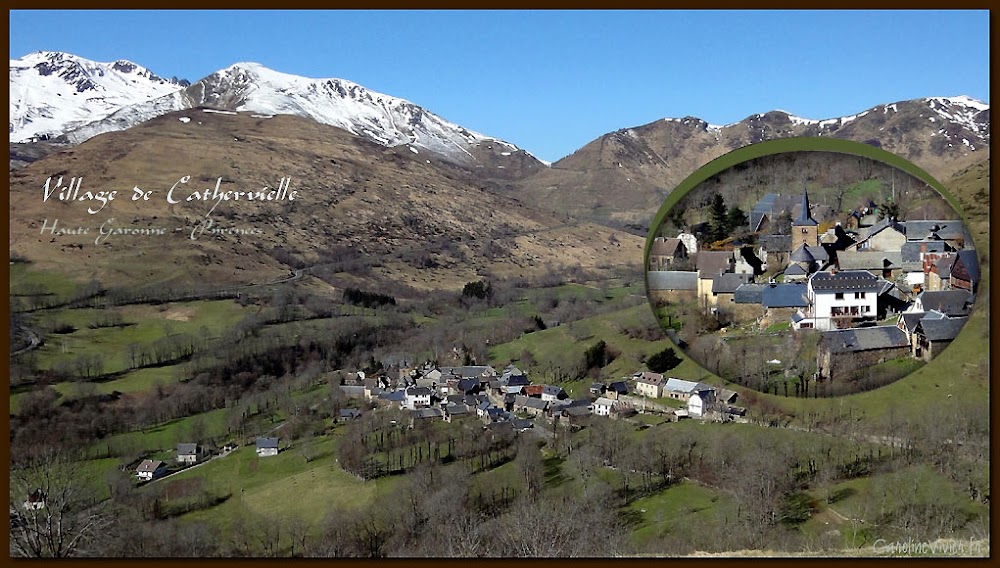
(843, 351)
(530, 405)
(886, 235)
(664, 253)
(603, 406)
(680, 389)
(951, 303)
(933, 335)
(550, 392)
(887, 264)
(187, 453)
(671, 286)
(267, 447)
(650, 385)
(149, 470)
(710, 265)
(780, 301)
(725, 285)
(951, 231)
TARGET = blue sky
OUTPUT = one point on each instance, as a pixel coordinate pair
(551, 81)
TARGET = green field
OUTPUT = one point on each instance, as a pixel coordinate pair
(285, 486)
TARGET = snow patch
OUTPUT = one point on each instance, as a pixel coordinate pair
(414, 150)
(217, 111)
(184, 119)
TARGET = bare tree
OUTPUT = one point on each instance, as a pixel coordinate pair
(54, 512)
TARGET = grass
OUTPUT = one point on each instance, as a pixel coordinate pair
(686, 508)
(560, 350)
(200, 319)
(26, 279)
(285, 486)
(165, 437)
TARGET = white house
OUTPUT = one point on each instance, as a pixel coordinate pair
(680, 389)
(846, 295)
(551, 393)
(150, 469)
(417, 397)
(267, 447)
(699, 401)
(603, 406)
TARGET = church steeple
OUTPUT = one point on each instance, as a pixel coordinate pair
(805, 229)
(804, 219)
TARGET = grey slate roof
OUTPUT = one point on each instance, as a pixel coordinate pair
(970, 261)
(947, 229)
(665, 247)
(864, 339)
(267, 442)
(948, 302)
(553, 390)
(944, 265)
(393, 396)
(712, 262)
(819, 253)
(149, 466)
(944, 329)
(581, 410)
(911, 250)
(749, 294)
(729, 282)
(796, 270)
(763, 207)
(187, 449)
(804, 218)
(869, 260)
(431, 412)
(619, 387)
(785, 296)
(776, 243)
(518, 381)
(886, 223)
(910, 319)
(801, 254)
(672, 280)
(853, 280)
(530, 402)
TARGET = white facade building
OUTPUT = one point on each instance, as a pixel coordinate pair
(848, 295)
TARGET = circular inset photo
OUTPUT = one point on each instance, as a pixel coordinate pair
(811, 267)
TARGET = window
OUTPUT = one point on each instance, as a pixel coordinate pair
(859, 295)
(839, 296)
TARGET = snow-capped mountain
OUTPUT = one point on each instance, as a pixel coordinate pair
(52, 92)
(251, 87)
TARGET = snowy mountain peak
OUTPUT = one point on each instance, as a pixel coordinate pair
(252, 87)
(52, 92)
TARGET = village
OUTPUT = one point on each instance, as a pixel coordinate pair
(505, 401)
(876, 288)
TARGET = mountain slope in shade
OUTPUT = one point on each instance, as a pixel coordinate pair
(622, 177)
(52, 92)
(383, 119)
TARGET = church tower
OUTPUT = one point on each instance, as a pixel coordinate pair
(805, 229)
